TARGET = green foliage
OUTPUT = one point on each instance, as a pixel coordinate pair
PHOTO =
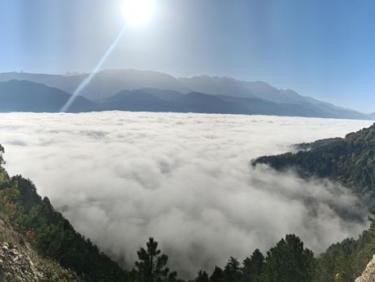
(350, 161)
(253, 267)
(233, 271)
(51, 234)
(289, 261)
(152, 265)
(348, 259)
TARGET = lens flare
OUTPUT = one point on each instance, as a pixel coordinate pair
(138, 13)
(92, 74)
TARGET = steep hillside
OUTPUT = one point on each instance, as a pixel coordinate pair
(349, 161)
(369, 274)
(20, 262)
(48, 233)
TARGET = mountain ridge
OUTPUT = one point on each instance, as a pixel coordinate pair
(108, 83)
(25, 95)
(22, 95)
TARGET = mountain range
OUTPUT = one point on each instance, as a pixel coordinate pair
(135, 90)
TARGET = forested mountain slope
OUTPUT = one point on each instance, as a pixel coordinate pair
(20, 262)
(349, 161)
(49, 233)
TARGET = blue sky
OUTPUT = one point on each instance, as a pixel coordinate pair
(321, 48)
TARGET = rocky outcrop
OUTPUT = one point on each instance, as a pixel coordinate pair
(20, 263)
(369, 274)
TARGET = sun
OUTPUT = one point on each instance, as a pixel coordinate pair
(138, 13)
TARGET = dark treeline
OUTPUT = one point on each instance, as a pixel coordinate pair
(288, 261)
(349, 161)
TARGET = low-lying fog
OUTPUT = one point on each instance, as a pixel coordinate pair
(184, 179)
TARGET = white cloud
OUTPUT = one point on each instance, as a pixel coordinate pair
(183, 178)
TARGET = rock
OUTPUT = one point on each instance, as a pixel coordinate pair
(369, 274)
(20, 262)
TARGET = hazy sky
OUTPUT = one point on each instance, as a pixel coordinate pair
(321, 48)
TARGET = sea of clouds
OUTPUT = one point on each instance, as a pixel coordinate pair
(184, 179)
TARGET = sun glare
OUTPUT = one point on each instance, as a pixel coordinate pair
(138, 13)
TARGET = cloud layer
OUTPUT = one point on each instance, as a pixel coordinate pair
(184, 179)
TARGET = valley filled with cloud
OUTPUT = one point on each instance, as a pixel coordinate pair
(184, 179)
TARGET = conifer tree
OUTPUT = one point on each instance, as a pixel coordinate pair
(202, 277)
(217, 275)
(289, 261)
(253, 267)
(152, 265)
(232, 271)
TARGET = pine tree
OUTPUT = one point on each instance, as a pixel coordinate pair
(253, 267)
(152, 265)
(217, 275)
(232, 271)
(289, 262)
(202, 277)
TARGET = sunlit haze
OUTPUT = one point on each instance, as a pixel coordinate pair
(322, 49)
(138, 13)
